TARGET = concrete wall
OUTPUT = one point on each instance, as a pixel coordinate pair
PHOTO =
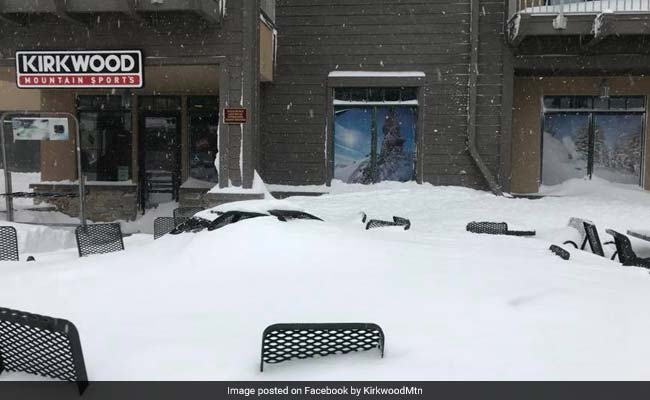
(317, 37)
(527, 125)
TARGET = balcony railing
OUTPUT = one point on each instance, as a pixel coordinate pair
(582, 6)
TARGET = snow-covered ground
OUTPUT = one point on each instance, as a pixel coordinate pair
(453, 305)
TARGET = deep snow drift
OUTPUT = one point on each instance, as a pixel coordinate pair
(453, 305)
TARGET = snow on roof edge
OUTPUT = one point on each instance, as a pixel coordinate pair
(382, 74)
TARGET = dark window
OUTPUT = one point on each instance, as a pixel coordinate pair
(106, 137)
(160, 103)
(203, 129)
(378, 95)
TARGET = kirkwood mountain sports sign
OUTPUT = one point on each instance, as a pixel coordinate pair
(79, 69)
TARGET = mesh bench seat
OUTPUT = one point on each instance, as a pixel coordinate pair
(41, 345)
(99, 239)
(8, 243)
(284, 342)
(495, 228)
(162, 226)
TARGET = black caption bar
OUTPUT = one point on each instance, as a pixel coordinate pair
(326, 390)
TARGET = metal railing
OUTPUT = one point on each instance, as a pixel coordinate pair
(581, 6)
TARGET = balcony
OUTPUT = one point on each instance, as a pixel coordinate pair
(18, 10)
(596, 19)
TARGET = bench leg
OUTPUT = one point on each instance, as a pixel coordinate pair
(82, 385)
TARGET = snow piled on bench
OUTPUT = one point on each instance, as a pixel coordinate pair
(453, 305)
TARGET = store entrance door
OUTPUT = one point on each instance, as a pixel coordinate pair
(160, 157)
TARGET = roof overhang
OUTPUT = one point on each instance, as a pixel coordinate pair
(597, 26)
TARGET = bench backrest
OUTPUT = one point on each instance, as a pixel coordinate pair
(593, 238)
(284, 342)
(376, 223)
(41, 345)
(491, 228)
(99, 239)
(162, 226)
(8, 243)
(624, 249)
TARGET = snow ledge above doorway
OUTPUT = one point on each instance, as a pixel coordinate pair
(377, 74)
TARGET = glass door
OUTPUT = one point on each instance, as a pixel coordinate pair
(618, 144)
(566, 147)
(160, 157)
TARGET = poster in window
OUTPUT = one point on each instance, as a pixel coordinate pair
(375, 144)
(40, 128)
(353, 145)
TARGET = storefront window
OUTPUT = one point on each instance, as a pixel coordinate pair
(203, 129)
(375, 134)
(605, 140)
(106, 137)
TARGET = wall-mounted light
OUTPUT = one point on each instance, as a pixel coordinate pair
(604, 89)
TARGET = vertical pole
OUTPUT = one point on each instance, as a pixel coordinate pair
(250, 88)
(8, 189)
(82, 183)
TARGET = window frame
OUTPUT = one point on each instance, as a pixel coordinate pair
(417, 81)
(591, 113)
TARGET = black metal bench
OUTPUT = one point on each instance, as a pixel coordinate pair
(397, 221)
(626, 254)
(495, 228)
(284, 342)
(99, 239)
(590, 236)
(41, 345)
(8, 243)
(560, 252)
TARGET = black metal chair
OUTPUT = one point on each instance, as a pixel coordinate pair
(495, 228)
(590, 236)
(284, 342)
(41, 345)
(185, 213)
(289, 215)
(8, 244)
(99, 239)
(162, 226)
(625, 253)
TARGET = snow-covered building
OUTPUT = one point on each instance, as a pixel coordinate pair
(153, 134)
(500, 95)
